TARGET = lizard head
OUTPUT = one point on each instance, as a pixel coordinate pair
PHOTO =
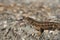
(29, 19)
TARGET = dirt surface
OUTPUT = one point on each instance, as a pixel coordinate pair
(14, 27)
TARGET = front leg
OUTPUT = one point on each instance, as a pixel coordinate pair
(40, 31)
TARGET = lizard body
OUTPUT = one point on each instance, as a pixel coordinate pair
(41, 26)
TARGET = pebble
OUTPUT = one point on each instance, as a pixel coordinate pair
(15, 10)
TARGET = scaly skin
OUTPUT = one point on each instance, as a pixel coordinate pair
(41, 26)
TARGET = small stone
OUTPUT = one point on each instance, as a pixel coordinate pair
(20, 12)
(14, 10)
(45, 6)
(12, 5)
(5, 22)
(5, 26)
(43, 9)
(33, 34)
(1, 9)
(23, 38)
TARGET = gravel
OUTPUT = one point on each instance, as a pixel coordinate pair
(14, 27)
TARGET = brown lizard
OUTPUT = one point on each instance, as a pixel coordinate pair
(41, 26)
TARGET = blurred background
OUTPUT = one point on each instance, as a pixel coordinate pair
(13, 28)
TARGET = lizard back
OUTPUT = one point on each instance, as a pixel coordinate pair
(43, 25)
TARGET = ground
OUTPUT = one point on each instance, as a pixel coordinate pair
(13, 28)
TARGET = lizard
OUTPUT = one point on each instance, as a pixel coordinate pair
(41, 26)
